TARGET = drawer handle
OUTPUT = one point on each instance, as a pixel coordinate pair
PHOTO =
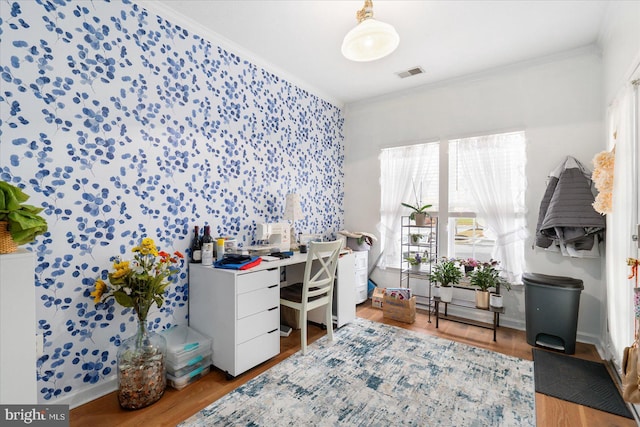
(270, 332)
(273, 308)
(273, 286)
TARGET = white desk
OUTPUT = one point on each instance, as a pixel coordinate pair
(240, 310)
(18, 355)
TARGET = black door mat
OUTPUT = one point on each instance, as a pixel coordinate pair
(577, 380)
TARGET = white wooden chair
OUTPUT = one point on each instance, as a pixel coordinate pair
(317, 290)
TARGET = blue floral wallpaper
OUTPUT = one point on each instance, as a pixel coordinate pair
(122, 125)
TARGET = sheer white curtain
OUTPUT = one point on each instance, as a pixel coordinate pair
(620, 222)
(401, 170)
(493, 168)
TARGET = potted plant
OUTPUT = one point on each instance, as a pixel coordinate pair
(19, 222)
(419, 214)
(486, 276)
(447, 273)
(416, 237)
(415, 261)
(495, 300)
(469, 264)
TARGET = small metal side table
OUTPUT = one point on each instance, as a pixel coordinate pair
(467, 304)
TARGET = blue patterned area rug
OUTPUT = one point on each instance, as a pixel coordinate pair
(376, 374)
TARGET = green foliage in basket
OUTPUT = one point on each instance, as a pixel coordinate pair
(24, 222)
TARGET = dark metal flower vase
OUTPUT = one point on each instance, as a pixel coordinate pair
(141, 368)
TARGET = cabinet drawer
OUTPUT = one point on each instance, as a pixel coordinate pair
(256, 280)
(361, 295)
(362, 259)
(261, 300)
(361, 278)
(258, 324)
(257, 350)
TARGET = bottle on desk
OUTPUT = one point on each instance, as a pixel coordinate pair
(207, 247)
(196, 246)
(220, 249)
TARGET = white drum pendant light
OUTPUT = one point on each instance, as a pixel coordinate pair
(370, 39)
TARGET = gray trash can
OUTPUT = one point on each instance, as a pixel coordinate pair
(551, 310)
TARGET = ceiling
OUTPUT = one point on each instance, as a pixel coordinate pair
(300, 40)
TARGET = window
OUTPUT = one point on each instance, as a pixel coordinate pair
(482, 186)
(407, 173)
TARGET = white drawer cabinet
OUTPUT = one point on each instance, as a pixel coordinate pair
(362, 276)
(344, 294)
(18, 356)
(240, 311)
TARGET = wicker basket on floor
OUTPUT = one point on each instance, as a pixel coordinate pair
(7, 245)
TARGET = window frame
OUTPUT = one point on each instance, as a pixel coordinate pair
(444, 215)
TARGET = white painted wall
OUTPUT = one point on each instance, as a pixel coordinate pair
(620, 41)
(557, 101)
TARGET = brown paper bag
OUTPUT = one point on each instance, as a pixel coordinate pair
(398, 309)
(630, 389)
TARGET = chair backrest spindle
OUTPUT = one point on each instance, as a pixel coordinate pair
(321, 282)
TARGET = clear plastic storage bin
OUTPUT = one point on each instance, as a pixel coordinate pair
(186, 347)
(181, 382)
(191, 366)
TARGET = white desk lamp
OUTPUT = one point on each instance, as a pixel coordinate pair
(293, 213)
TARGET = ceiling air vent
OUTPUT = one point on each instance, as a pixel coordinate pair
(410, 72)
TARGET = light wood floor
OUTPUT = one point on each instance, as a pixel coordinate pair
(177, 405)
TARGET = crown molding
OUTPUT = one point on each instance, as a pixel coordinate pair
(591, 49)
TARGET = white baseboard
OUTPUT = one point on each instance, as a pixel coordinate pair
(87, 394)
(520, 325)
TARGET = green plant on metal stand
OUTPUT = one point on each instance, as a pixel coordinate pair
(446, 272)
(419, 214)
